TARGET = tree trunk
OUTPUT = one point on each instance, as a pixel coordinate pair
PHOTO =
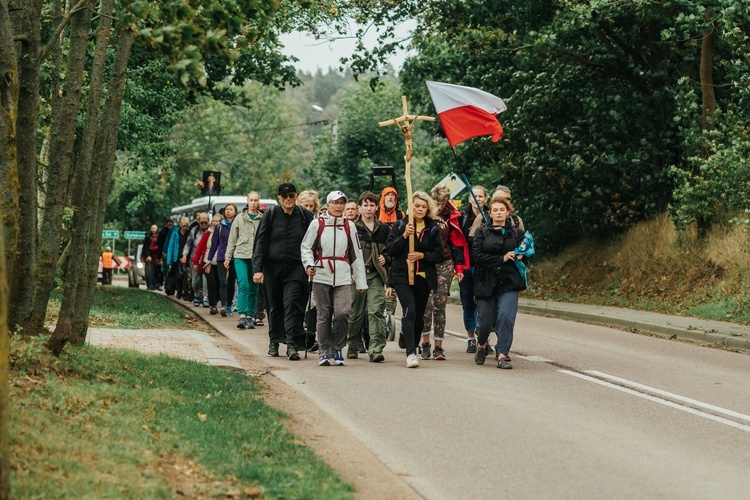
(77, 271)
(8, 198)
(4, 378)
(103, 166)
(62, 131)
(22, 266)
(708, 94)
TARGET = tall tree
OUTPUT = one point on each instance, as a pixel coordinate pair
(63, 131)
(8, 196)
(22, 265)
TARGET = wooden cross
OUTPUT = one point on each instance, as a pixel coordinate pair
(406, 122)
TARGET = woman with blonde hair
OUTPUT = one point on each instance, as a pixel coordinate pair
(309, 200)
(428, 251)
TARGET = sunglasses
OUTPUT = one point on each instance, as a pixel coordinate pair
(286, 196)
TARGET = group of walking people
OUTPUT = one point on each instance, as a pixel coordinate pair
(329, 275)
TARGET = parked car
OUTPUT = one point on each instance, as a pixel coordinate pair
(137, 271)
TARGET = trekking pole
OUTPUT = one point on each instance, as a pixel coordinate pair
(307, 314)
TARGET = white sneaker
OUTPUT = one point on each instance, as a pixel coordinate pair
(412, 361)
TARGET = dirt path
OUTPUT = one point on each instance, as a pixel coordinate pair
(330, 440)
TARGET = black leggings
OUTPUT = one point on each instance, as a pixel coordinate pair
(413, 303)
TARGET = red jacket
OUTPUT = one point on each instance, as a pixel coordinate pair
(457, 244)
(200, 251)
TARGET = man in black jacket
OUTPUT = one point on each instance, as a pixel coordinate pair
(278, 264)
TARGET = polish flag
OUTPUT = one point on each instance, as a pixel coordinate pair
(466, 112)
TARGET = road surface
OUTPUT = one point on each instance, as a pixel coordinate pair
(586, 412)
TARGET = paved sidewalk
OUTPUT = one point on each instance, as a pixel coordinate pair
(720, 333)
(186, 344)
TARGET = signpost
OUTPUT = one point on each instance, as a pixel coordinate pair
(134, 235)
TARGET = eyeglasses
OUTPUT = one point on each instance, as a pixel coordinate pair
(286, 196)
(337, 202)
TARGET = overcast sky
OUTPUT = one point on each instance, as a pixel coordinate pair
(313, 54)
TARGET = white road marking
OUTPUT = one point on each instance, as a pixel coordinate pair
(535, 358)
(664, 402)
(677, 397)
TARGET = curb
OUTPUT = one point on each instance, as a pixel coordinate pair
(715, 339)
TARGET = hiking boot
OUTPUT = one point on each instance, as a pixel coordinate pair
(479, 356)
(291, 352)
(352, 353)
(504, 363)
(223, 311)
(472, 346)
(338, 358)
(214, 310)
(438, 353)
(377, 357)
(273, 350)
(228, 310)
(241, 324)
(401, 342)
(324, 360)
(361, 349)
(249, 323)
(196, 302)
(425, 350)
(412, 361)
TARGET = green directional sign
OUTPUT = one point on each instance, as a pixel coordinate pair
(110, 234)
(135, 235)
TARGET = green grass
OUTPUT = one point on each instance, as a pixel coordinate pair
(105, 423)
(98, 423)
(130, 308)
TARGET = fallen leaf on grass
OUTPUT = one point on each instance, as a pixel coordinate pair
(202, 416)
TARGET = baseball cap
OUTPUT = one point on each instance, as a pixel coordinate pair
(336, 195)
(286, 187)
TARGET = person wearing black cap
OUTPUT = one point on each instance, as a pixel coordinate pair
(277, 264)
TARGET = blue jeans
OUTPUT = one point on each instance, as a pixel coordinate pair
(498, 313)
(469, 305)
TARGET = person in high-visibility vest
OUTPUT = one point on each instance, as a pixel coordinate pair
(107, 266)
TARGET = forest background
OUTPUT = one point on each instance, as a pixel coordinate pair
(619, 114)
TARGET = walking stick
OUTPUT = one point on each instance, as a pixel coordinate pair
(307, 314)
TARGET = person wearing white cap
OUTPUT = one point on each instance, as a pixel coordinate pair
(332, 256)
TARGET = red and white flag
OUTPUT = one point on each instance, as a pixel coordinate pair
(466, 112)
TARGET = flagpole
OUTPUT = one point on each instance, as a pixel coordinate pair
(468, 185)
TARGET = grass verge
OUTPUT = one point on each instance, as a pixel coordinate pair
(129, 308)
(654, 267)
(119, 424)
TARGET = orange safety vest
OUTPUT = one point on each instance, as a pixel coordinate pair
(107, 260)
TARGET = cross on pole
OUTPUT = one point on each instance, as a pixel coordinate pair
(406, 122)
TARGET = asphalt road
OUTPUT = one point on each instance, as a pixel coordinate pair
(587, 412)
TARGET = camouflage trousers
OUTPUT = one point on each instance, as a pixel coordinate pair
(434, 313)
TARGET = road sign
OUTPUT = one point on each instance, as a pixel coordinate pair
(110, 234)
(135, 235)
(454, 183)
